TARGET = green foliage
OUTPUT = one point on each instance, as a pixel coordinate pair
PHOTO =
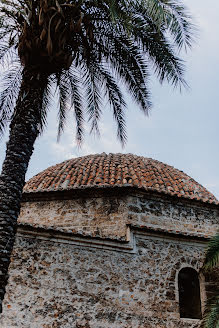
(211, 315)
(212, 254)
(9, 95)
(86, 47)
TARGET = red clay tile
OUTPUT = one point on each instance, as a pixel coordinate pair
(94, 171)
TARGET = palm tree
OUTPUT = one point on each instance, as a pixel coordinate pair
(80, 48)
(211, 315)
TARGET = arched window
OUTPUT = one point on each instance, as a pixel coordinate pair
(189, 294)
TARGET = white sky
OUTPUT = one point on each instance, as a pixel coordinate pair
(182, 129)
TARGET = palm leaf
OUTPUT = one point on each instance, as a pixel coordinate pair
(46, 104)
(212, 254)
(8, 96)
(108, 40)
(171, 15)
(116, 101)
(62, 89)
(167, 65)
(129, 64)
(91, 82)
(76, 103)
(7, 55)
(211, 314)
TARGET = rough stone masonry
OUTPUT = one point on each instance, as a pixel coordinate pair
(106, 258)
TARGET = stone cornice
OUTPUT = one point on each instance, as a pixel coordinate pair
(128, 246)
(112, 192)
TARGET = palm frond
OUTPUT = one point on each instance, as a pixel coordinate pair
(92, 96)
(119, 12)
(8, 96)
(63, 88)
(47, 101)
(211, 314)
(5, 31)
(129, 65)
(171, 15)
(108, 40)
(105, 82)
(212, 254)
(116, 101)
(167, 65)
(76, 103)
(7, 55)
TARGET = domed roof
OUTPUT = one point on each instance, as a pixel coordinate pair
(118, 170)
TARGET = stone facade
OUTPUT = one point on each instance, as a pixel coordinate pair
(108, 216)
(106, 260)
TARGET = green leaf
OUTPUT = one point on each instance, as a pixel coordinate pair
(212, 253)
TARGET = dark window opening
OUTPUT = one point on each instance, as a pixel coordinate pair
(189, 294)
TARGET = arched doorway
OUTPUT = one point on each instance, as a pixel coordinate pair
(189, 294)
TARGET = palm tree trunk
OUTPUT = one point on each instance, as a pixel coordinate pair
(24, 130)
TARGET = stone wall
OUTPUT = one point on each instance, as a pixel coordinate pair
(103, 217)
(53, 284)
(108, 216)
(177, 216)
(105, 261)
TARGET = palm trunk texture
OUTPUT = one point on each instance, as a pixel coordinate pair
(24, 130)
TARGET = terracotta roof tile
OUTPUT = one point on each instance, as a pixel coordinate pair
(111, 170)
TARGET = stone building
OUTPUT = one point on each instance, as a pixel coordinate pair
(111, 241)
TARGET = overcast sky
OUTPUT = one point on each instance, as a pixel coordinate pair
(182, 129)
